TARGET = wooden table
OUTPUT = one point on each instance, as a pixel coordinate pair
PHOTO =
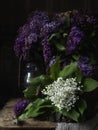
(7, 120)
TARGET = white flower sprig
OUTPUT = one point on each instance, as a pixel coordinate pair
(63, 93)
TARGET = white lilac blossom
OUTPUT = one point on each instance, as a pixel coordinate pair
(63, 93)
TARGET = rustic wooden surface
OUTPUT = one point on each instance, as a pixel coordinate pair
(7, 120)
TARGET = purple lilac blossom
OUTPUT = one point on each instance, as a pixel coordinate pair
(49, 28)
(84, 59)
(20, 39)
(52, 61)
(32, 38)
(91, 20)
(82, 19)
(18, 48)
(74, 39)
(46, 31)
(37, 20)
(20, 106)
(78, 19)
(26, 50)
(86, 68)
(24, 31)
(47, 53)
(29, 33)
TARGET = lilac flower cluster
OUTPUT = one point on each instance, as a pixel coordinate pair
(52, 61)
(47, 54)
(51, 27)
(20, 107)
(86, 68)
(46, 31)
(29, 34)
(53, 35)
(82, 18)
(75, 38)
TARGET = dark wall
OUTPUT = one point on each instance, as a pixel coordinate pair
(13, 14)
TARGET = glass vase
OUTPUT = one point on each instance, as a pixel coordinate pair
(31, 70)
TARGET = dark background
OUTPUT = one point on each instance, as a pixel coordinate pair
(13, 14)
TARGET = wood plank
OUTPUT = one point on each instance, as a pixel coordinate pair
(7, 119)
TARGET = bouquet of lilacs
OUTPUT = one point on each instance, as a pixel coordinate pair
(67, 45)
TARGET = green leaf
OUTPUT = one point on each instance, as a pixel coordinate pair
(60, 47)
(72, 114)
(30, 92)
(37, 80)
(38, 102)
(71, 70)
(29, 114)
(28, 106)
(82, 105)
(65, 35)
(68, 70)
(55, 69)
(47, 80)
(54, 35)
(35, 109)
(35, 84)
(42, 79)
(89, 84)
(31, 111)
(76, 57)
(78, 74)
(23, 116)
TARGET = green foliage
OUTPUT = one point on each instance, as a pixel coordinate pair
(39, 80)
(36, 83)
(82, 105)
(55, 69)
(53, 36)
(71, 70)
(37, 106)
(63, 36)
(57, 39)
(60, 47)
(77, 112)
(68, 70)
(90, 84)
(72, 114)
(35, 109)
